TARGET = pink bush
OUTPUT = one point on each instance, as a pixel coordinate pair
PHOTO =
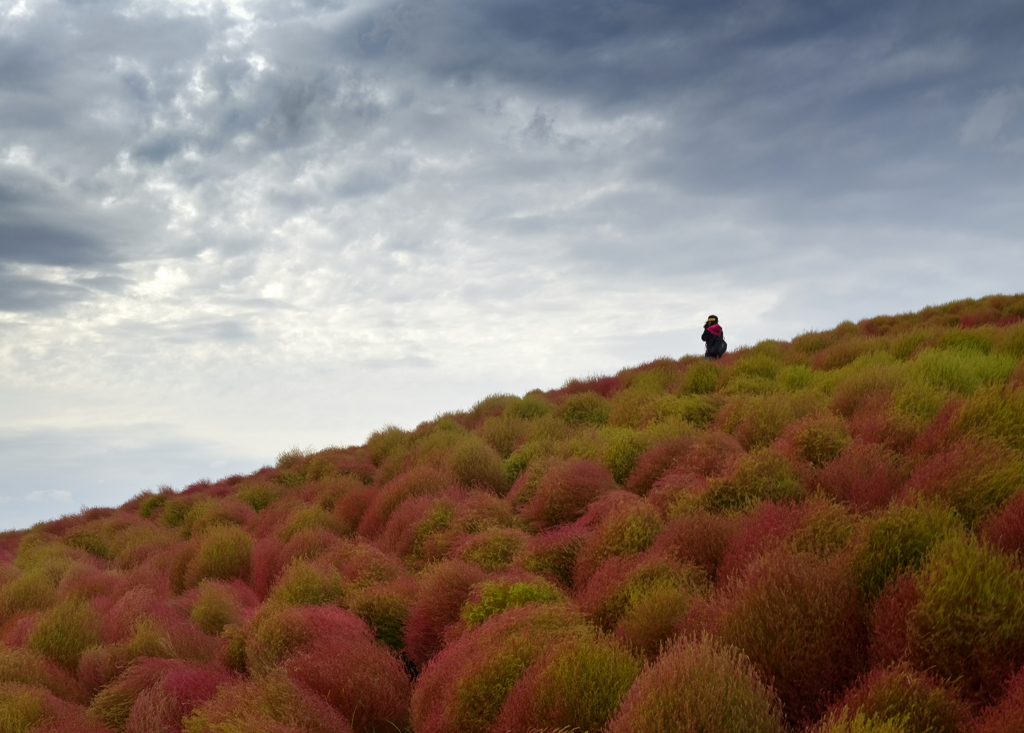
(1007, 714)
(655, 462)
(700, 538)
(565, 491)
(866, 476)
(1005, 529)
(419, 481)
(444, 590)
(161, 707)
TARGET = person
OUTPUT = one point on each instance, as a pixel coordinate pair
(712, 336)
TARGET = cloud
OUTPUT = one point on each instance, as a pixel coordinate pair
(51, 495)
(261, 222)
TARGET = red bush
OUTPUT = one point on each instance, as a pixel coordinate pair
(901, 693)
(653, 464)
(800, 621)
(464, 687)
(553, 554)
(161, 707)
(700, 538)
(418, 481)
(565, 491)
(889, 618)
(1005, 529)
(1006, 715)
(445, 588)
(865, 476)
(768, 527)
(360, 678)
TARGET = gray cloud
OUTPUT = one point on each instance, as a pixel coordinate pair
(201, 200)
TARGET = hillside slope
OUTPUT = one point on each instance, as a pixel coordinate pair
(822, 534)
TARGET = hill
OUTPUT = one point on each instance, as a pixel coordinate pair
(821, 535)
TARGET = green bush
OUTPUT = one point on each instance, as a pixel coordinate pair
(701, 378)
(385, 609)
(494, 596)
(505, 433)
(699, 685)
(577, 685)
(584, 408)
(312, 517)
(305, 584)
(621, 448)
(898, 541)
(532, 406)
(962, 370)
(65, 631)
(258, 494)
(758, 476)
(821, 440)
(34, 590)
(968, 625)
(385, 442)
(992, 412)
(223, 553)
(477, 465)
(493, 549)
(215, 608)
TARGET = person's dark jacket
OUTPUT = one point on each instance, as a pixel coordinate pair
(713, 337)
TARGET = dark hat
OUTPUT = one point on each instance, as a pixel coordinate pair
(712, 319)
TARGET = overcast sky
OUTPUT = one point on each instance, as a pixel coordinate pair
(229, 228)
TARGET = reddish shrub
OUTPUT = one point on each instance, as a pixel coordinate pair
(865, 476)
(553, 554)
(267, 563)
(890, 615)
(913, 698)
(565, 491)
(678, 492)
(699, 538)
(444, 589)
(653, 464)
(799, 620)
(975, 477)
(767, 528)
(162, 706)
(464, 687)
(1006, 715)
(699, 685)
(1005, 529)
(418, 481)
(360, 678)
(361, 564)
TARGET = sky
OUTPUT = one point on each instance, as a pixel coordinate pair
(232, 227)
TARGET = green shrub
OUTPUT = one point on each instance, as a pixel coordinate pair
(312, 517)
(385, 442)
(494, 596)
(621, 448)
(994, 413)
(476, 465)
(795, 377)
(584, 408)
(961, 370)
(386, 611)
(258, 494)
(634, 408)
(215, 608)
(697, 410)
(758, 421)
(821, 440)
(65, 631)
(505, 433)
(223, 553)
(532, 406)
(968, 624)
(151, 502)
(844, 721)
(898, 541)
(699, 685)
(701, 378)
(305, 584)
(492, 549)
(576, 685)
(22, 707)
(175, 510)
(758, 476)
(34, 590)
